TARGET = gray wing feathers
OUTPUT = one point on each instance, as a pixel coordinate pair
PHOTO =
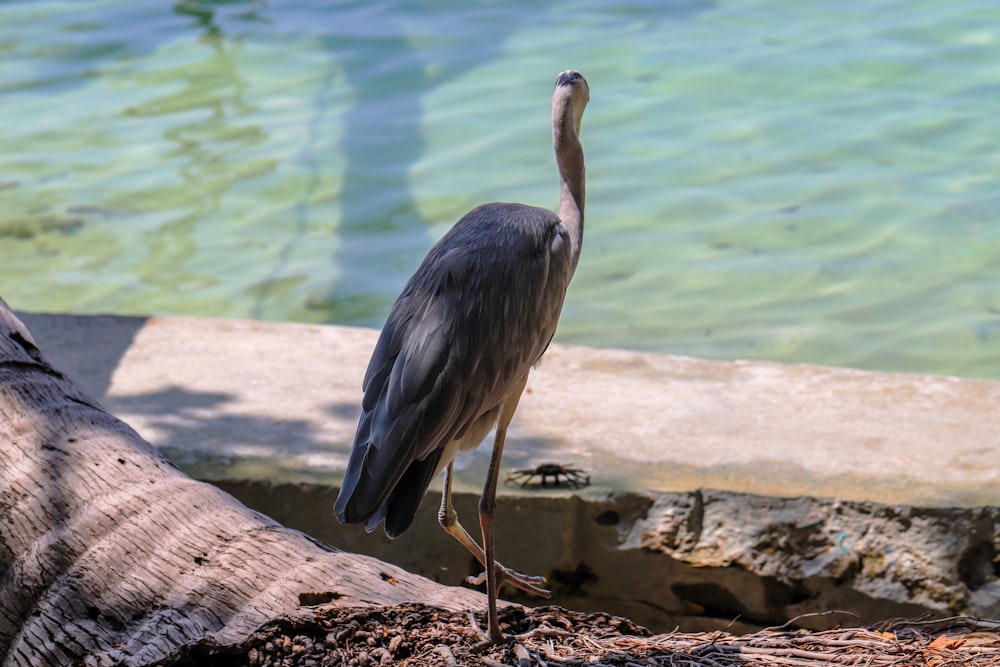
(475, 316)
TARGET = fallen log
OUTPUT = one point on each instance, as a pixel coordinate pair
(111, 555)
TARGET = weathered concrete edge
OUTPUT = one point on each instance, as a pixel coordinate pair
(698, 560)
(245, 399)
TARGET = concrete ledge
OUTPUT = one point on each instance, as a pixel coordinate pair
(268, 412)
(242, 399)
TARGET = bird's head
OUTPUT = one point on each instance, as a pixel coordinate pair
(572, 89)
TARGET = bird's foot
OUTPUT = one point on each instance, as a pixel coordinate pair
(527, 583)
(486, 640)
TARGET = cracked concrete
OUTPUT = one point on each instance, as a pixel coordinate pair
(721, 490)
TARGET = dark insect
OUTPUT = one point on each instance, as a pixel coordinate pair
(558, 473)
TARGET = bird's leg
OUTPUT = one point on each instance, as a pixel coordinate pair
(449, 521)
(487, 516)
(488, 512)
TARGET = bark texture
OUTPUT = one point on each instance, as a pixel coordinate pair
(111, 555)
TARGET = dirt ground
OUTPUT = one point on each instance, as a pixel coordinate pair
(414, 634)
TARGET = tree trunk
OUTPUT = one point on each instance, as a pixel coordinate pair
(111, 555)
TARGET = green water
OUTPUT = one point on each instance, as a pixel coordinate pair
(769, 179)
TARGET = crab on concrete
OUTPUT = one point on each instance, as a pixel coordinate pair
(558, 473)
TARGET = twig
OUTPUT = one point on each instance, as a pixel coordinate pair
(445, 652)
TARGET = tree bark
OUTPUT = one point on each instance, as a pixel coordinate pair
(110, 555)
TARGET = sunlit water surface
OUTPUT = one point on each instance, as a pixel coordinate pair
(768, 179)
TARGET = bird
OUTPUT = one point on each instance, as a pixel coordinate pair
(453, 357)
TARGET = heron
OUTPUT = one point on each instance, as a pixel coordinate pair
(454, 355)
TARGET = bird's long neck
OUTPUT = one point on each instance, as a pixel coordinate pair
(572, 173)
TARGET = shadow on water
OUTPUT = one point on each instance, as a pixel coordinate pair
(393, 62)
(383, 139)
(390, 59)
